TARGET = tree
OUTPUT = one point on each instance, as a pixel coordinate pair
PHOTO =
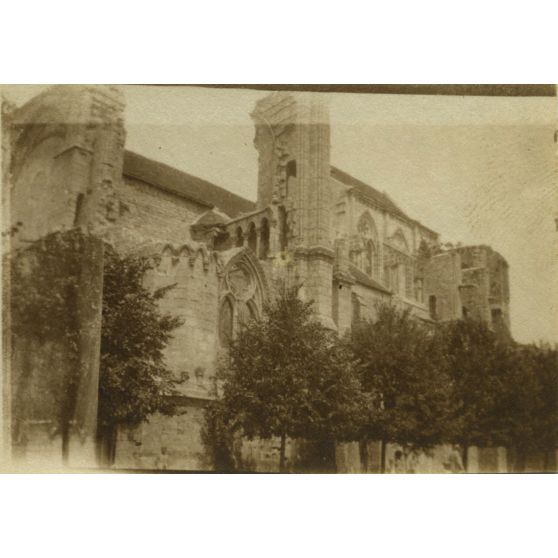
(504, 393)
(135, 381)
(404, 372)
(480, 365)
(289, 376)
(529, 403)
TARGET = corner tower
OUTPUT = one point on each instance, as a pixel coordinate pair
(293, 143)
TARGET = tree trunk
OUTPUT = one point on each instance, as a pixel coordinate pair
(363, 450)
(383, 457)
(465, 457)
(282, 459)
(106, 445)
(65, 434)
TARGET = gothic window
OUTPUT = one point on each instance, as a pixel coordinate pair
(264, 239)
(291, 169)
(252, 237)
(283, 229)
(242, 297)
(400, 242)
(290, 176)
(368, 260)
(371, 259)
(366, 226)
(239, 237)
(226, 316)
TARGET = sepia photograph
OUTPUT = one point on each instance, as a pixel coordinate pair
(279, 279)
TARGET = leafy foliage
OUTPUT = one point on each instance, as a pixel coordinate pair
(479, 365)
(404, 372)
(45, 306)
(289, 376)
(503, 393)
(134, 379)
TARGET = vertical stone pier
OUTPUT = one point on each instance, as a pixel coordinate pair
(64, 156)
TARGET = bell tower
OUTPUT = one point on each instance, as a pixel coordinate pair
(293, 143)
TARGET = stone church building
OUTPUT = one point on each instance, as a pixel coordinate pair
(348, 244)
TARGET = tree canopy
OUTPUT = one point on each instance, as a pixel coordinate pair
(289, 376)
(403, 368)
(135, 381)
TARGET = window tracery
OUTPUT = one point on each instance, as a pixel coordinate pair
(241, 300)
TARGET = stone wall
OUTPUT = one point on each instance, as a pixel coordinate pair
(147, 213)
(65, 150)
(442, 277)
(165, 443)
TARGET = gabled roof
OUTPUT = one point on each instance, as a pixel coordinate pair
(381, 199)
(364, 279)
(184, 185)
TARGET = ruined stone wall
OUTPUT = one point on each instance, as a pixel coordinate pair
(65, 157)
(474, 294)
(442, 277)
(484, 286)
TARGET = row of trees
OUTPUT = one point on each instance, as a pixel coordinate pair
(287, 376)
(393, 379)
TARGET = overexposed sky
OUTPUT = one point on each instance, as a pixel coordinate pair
(475, 169)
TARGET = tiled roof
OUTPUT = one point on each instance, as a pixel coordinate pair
(185, 185)
(382, 200)
(363, 279)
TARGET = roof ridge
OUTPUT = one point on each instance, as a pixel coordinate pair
(168, 178)
(366, 189)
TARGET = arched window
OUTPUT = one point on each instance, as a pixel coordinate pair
(239, 241)
(368, 259)
(283, 228)
(291, 169)
(252, 237)
(371, 259)
(226, 315)
(242, 285)
(264, 239)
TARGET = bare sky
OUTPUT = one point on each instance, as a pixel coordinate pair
(475, 169)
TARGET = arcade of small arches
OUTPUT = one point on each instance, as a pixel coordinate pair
(254, 232)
